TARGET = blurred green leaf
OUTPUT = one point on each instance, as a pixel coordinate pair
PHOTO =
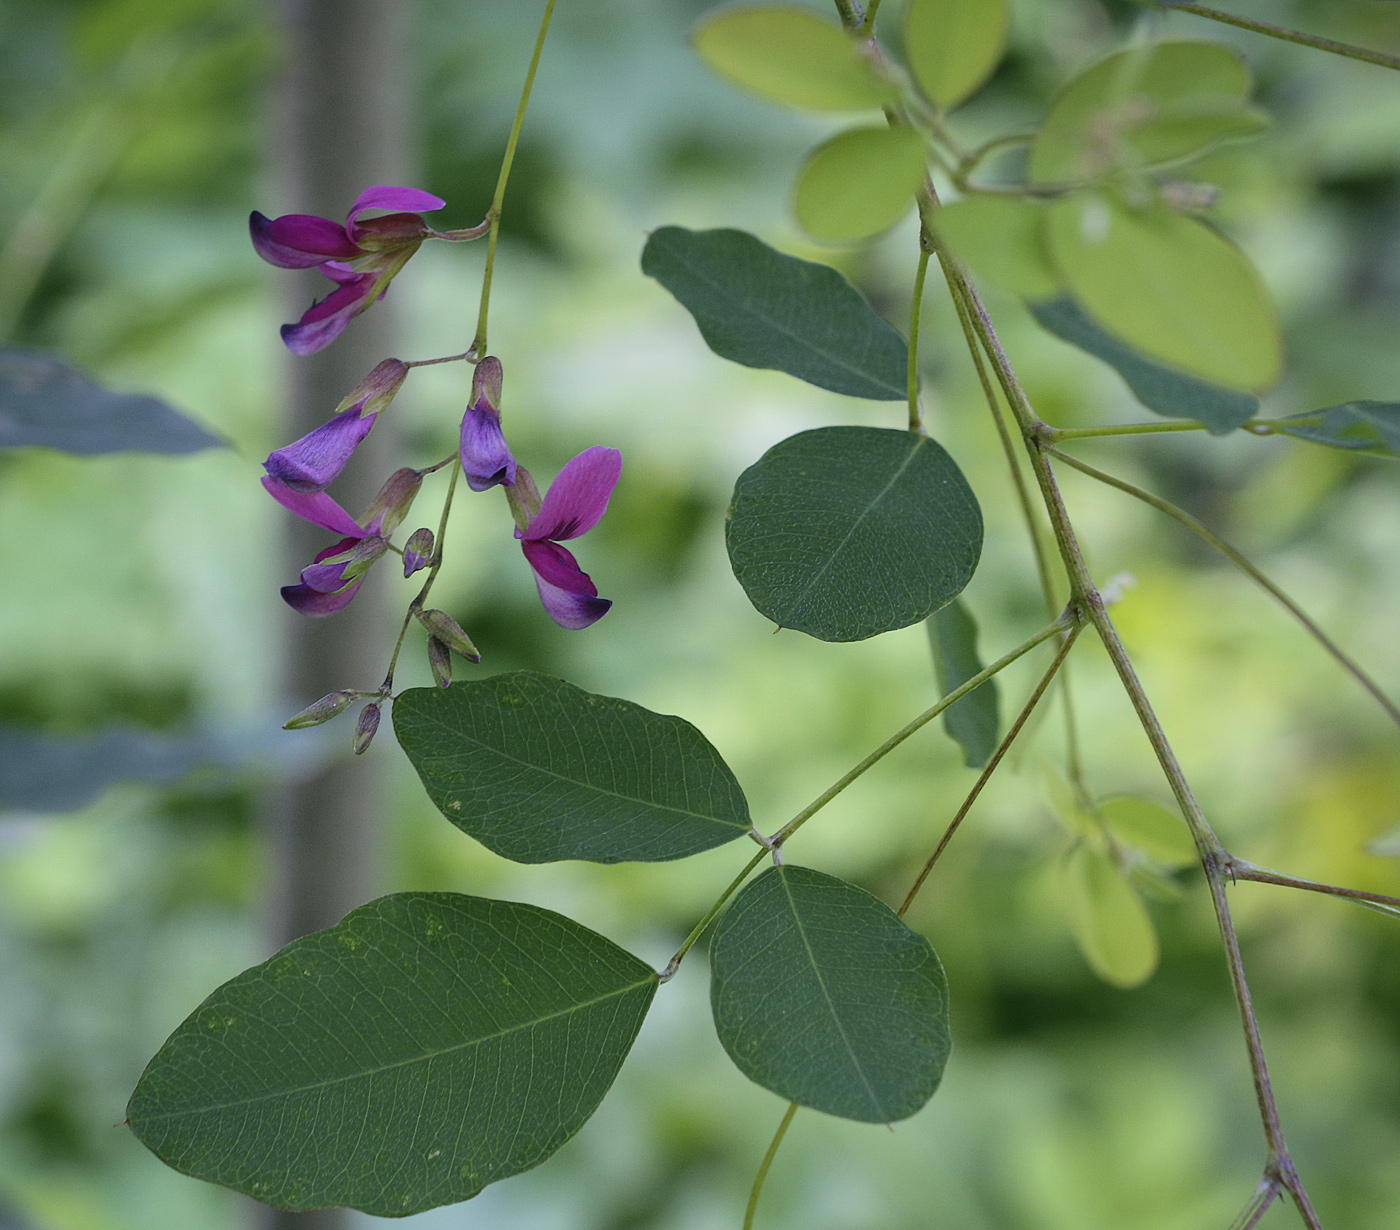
(1169, 286)
(45, 402)
(1364, 426)
(1161, 389)
(1002, 238)
(762, 308)
(1387, 845)
(425, 1046)
(790, 55)
(821, 994)
(1110, 922)
(1143, 825)
(859, 183)
(1157, 103)
(539, 770)
(847, 532)
(972, 721)
(952, 46)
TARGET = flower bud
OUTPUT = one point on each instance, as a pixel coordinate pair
(440, 659)
(446, 629)
(486, 384)
(376, 391)
(394, 500)
(524, 499)
(329, 706)
(365, 727)
(417, 551)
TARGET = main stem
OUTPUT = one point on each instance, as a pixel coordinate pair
(1208, 846)
(478, 346)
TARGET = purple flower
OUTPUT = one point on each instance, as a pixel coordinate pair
(315, 461)
(573, 506)
(362, 257)
(334, 577)
(486, 458)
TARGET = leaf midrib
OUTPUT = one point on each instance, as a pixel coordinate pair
(425, 1057)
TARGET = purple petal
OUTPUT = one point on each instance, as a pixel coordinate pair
(568, 610)
(340, 271)
(486, 458)
(315, 461)
(306, 600)
(320, 509)
(412, 561)
(328, 578)
(307, 239)
(325, 320)
(386, 196)
(579, 497)
(284, 257)
(557, 566)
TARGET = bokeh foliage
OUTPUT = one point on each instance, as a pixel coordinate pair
(143, 590)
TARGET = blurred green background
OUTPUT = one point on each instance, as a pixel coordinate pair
(143, 590)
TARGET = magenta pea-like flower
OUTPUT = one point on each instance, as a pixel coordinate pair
(333, 578)
(574, 504)
(315, 461)
(486, 458)
(362, 257)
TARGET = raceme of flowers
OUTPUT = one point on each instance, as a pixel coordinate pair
(362, 257)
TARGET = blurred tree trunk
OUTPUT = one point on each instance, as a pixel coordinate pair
(340, 123)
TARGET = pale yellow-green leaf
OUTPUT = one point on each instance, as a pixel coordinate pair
(1137, 107)
(859, 183)
(1169, 286)
(952, 46)
(1143, 825)
(1065, 806)
(1003, 239)
(1110, 922)
(790, 55)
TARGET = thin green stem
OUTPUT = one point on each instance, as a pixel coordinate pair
(917, 724)
(767, 1162)
(449, 358)
(675, 962)
(850, 14)
(867, 27)
(1002, 748)
(1185, 518)
(478, 346)
(916, 421)
(1056, 434)
(974, 157)
(433, 569)
(1238, 869)
(1289, 36)
(1253, 1213)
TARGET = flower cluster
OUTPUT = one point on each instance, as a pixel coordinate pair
(362, 257)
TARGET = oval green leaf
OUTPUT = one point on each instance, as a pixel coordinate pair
(425, 1046)
(763, 308)
(47, 403)
(1170, 286)
(539, 770)
(1002, 238)
(859, 183)
(1110, 922)
(1162, 389)
(1141, 824)
(972, 721)
(790, 55)
(1157, 103)
(847, 532)
(821, 994)
(952, 46)
(1363, 426)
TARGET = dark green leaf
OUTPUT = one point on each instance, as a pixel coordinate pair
(1163, 389)
(539, 770)
(847, 532)
(762, 308)
(425, 1046)
(821, 994)
(45, 402)
(972, 722)
(1365, 426)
